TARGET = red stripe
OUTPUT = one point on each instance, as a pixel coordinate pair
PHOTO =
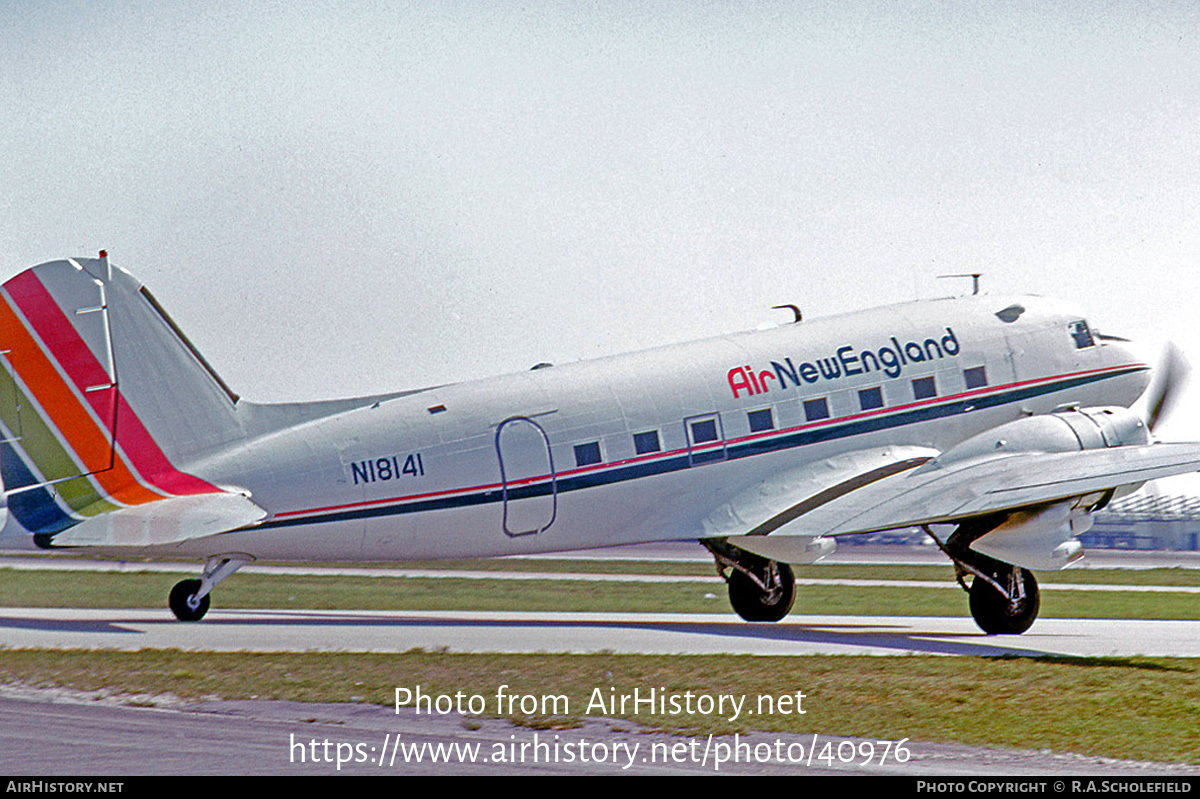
(63, 342)
(402, 499)
(976, 392)
(64, 414)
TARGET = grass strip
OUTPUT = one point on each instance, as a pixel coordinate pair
(1172, 577)
(1134, 708)
(258, 591)
(1162, 576)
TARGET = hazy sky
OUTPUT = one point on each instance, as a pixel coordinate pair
(348, 198)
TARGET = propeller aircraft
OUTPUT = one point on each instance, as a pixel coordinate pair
(999, 425)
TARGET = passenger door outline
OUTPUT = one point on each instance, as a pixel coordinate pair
(528, 509)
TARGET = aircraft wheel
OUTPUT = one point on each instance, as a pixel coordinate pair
(995, 613)
(752, 603)
(180, 594)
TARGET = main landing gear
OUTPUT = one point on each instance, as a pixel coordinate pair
(1004, 598)
(1008, 602)
(759, 589)
(189, 599)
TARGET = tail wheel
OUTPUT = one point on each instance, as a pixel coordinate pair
(752, 601)
(183, 602)
(998, 614)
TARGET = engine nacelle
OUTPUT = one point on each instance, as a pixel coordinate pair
(1045, 538)
(1042, 540)
(1064, 430)
(786, 548)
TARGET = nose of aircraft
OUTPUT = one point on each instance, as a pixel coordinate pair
(1123, 352)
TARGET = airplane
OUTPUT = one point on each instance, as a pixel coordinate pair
(998, 425)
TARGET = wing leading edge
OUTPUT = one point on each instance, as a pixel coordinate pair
(935, 494)
(1028, 504)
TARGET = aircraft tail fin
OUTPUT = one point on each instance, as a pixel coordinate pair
(103, 401)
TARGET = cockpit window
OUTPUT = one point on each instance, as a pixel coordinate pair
(1081, 334)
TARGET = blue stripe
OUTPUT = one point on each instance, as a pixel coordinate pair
(34, 508)
(748, 449)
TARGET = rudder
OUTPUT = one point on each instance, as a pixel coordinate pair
(103, 401)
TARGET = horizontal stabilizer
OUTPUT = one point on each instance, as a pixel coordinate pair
(168, 521)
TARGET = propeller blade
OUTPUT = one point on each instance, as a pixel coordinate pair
(1169, 378)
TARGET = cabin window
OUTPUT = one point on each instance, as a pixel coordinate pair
(924, 388)
(703, 431)
(761, 420)
(816, 409)
(646, 442)
(587, 454)
(870, 398)
(1081, 334)
(976, 378)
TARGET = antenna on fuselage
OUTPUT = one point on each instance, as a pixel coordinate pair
(974, 279)
(794, 309)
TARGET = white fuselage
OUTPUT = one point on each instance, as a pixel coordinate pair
(564, 457)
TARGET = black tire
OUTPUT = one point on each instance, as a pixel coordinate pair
(180, 594)
(752, 603)
(992, 611)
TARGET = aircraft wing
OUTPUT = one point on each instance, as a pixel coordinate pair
(781, 505)
(875, 490)
(938, 494)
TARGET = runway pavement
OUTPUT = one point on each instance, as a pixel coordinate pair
(256, 737)
(96, 735)
(482, 631)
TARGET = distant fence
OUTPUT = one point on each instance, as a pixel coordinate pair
(1147, 521)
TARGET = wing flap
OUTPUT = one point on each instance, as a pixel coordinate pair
(779, 506)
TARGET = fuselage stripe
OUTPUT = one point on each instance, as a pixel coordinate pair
(748, 446)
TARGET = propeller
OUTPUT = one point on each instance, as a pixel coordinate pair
(1165, 388)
